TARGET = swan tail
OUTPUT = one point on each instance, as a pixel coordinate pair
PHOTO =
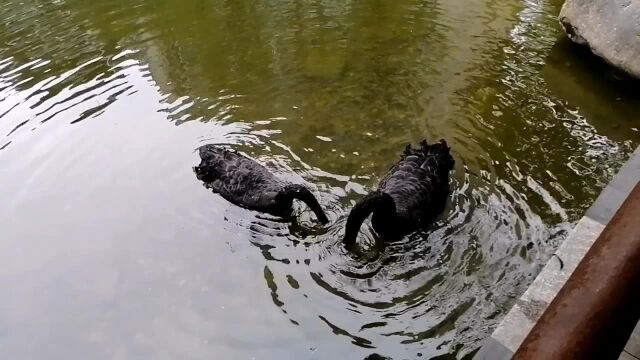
(438, 154)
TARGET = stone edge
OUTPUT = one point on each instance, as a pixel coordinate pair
(575, 16)
(517, 323)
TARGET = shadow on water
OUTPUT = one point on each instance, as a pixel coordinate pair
(111, 248)
(599, 91)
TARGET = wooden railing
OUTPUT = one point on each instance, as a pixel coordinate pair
(595, 312)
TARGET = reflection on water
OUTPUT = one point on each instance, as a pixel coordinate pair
(112, 249)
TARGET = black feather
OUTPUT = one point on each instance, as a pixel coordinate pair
(410, 195)
(246, 183)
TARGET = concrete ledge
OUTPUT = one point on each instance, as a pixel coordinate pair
(520, 319)
(516, 325)
(633, 346)
(626, 356)
(492, 349)
(617, 191)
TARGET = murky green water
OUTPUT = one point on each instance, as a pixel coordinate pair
(111, 249)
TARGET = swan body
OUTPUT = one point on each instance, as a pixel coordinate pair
(246, 183)
(410, 195)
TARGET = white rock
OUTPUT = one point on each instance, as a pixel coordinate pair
(611, 28)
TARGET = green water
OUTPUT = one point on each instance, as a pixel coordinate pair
(112, 249)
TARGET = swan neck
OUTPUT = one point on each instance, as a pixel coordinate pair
(303, 194)
(374, 202)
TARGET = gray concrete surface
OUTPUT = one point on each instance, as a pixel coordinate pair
(633, 346)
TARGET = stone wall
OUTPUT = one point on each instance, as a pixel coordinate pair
(611, 28)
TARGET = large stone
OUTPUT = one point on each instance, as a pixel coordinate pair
(611, 28)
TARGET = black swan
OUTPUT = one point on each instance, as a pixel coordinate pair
(246, 183)
(412, 194)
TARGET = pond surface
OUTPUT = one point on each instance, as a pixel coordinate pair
(112, 249)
